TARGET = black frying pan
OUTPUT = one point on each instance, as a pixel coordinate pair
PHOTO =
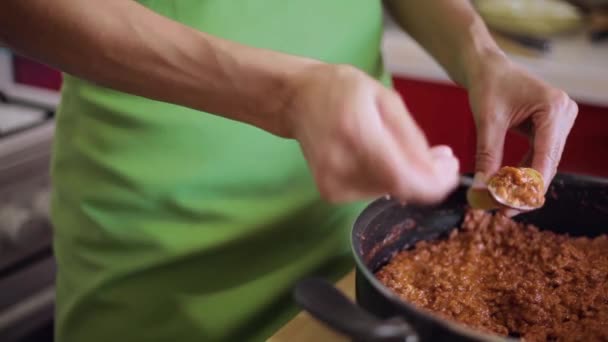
(577, 205)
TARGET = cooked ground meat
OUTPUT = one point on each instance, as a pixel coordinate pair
(519, 186)
(508, 278)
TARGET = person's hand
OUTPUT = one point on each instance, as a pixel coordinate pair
(503, 96)
(360, 141)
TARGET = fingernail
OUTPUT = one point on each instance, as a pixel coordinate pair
(441, 151)
(480, 181)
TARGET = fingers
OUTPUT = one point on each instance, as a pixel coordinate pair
(547, 150)
(491, 132)
(371, 146)
(364, 160)
(404, 130)
(440, 151)
(410, 184)
(551, 131)
(425, 175)
(448, 168)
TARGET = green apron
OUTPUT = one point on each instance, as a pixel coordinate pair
(177, 225)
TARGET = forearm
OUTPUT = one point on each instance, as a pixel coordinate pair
(122, 45)
(451, 31)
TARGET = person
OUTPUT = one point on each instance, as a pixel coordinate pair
(191, 135)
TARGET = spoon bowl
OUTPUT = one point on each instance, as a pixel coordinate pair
(518, 188)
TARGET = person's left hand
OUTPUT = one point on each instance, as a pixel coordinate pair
(503, 96)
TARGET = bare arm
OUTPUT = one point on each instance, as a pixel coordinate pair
(123, 45)
(449, 30)
(355, 133)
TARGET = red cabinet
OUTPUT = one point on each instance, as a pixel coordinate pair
(35, 74)
(443, 112)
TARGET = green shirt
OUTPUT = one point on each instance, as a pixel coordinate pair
(177, 225)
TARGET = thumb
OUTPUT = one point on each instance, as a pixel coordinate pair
(488, 158)
(547, 151)
(490, 146)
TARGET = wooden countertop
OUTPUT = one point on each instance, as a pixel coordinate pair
(304, 328)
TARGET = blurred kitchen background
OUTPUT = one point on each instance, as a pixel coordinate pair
(563, 42)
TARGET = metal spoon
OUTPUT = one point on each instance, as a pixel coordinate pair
(502, 198)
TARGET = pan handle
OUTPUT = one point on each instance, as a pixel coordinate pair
(324, 302)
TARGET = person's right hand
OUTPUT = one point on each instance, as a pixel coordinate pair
(360, 141)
